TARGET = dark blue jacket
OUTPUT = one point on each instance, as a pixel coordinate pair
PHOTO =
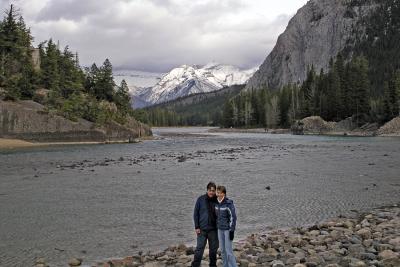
(226, 215)
(200, 215)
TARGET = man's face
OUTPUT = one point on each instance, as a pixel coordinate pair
(211, 192)
(220, 194)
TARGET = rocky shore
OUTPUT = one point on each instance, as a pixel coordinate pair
(32, 122)
(315, 125)
(357, 240)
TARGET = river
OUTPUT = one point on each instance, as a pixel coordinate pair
(101, 201)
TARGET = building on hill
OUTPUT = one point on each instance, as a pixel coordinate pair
(35, 58)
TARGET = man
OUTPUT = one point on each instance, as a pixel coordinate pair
(205, 224)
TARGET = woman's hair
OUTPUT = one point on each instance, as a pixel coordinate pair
(222, 189)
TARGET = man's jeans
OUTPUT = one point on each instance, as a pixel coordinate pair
(225, 244)
(212, 237)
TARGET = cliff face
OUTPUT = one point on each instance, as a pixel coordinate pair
(28, 120)
(317, 33)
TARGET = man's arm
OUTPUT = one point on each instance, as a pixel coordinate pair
(196, 215)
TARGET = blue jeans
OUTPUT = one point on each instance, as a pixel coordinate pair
(225, 244)
(202, 238)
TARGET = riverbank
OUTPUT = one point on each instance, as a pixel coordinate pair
(249, 130)
(33, 122)
(357, 240)
(8, 144)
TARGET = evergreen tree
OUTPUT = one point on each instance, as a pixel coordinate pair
(16, 70)
(104, 86)
(122, 98)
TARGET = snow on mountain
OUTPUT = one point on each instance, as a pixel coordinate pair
(186, 80)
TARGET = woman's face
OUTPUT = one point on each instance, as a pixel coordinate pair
(220, 195)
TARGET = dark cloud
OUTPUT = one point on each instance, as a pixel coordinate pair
(156, 35)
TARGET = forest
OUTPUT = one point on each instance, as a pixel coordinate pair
(57, 80)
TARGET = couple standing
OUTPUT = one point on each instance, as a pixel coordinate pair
(215, 220)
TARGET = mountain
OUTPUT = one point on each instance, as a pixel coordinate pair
(137, 79)
(187, 80)
(192, 110)
(316, 34)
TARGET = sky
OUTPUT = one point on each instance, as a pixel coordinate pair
(158, 35)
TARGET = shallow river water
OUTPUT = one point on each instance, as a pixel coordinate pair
(105, 201)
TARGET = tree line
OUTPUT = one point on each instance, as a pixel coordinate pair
(363, 82)
(59, 82)
(344, 91)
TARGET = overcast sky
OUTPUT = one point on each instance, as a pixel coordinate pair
(157, 35)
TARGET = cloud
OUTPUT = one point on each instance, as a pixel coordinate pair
(157, 35)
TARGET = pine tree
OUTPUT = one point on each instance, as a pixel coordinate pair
(16, 70)
(122, 98)
(50, 67)
(104, 86)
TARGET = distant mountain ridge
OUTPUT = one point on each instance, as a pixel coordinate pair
(187, 80)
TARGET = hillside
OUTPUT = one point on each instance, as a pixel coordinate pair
(316, 34)
(46, 95)
(338, 60)
(193, 110)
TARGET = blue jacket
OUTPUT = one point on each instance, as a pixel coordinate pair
(226, 215)
(200, 215)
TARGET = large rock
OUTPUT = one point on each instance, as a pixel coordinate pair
(391, 128)
(317, 33)
(30, 121)
(313, 125)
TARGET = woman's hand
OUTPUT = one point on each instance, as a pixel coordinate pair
(231, 235)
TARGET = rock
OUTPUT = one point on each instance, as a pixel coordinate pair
(40, 261)
(309, 39)
(155, 264)
(391, 262)
(387, 254)
(382, 247)
(271, 252)
(358, 264)
(314, 232)
(163, 258)
(244, 263)
(311, 264)
(395, 241)
(277, 263)
(190, 251)
(264, 258)
(293, 261)
(29, 120)
(365, 233)
(182, 248)
(75, 262)
(356, 250)
(368, 256)
(300, 265)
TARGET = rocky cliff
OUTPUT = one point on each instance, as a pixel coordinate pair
(29, 120)
(317, 33)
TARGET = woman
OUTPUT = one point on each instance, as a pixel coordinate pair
(226, 222)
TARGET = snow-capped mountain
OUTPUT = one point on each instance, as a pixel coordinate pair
(186, 80)
(137, 79)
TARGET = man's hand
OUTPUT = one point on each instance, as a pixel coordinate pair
(198, 231)
(231, 235)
